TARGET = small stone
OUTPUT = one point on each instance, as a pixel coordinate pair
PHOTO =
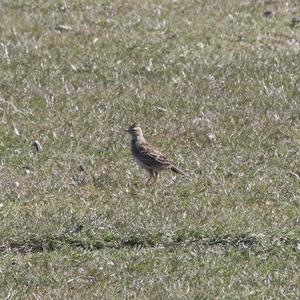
(28, 169)
(37, 146)
(211, 137)
(196, 121)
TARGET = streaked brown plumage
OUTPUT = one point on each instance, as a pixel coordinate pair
(147, 156)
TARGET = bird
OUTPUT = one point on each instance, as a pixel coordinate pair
(146, 156)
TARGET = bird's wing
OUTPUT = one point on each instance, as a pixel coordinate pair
(152, 157)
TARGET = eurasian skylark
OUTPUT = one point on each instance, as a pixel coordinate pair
(147, 156)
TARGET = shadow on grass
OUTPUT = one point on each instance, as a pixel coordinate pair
(53, 243)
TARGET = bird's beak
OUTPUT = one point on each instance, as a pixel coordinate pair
(125, 130)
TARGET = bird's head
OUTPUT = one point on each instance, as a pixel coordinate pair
(134, 130)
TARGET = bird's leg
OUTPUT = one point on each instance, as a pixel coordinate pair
(155, 176)
(151, 176)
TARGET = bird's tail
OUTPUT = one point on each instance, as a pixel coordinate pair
(176, 170)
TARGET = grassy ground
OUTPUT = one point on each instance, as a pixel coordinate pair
(215, 85)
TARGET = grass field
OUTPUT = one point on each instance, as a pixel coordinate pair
(215, 85)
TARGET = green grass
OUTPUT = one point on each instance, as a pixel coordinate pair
(215, 85)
